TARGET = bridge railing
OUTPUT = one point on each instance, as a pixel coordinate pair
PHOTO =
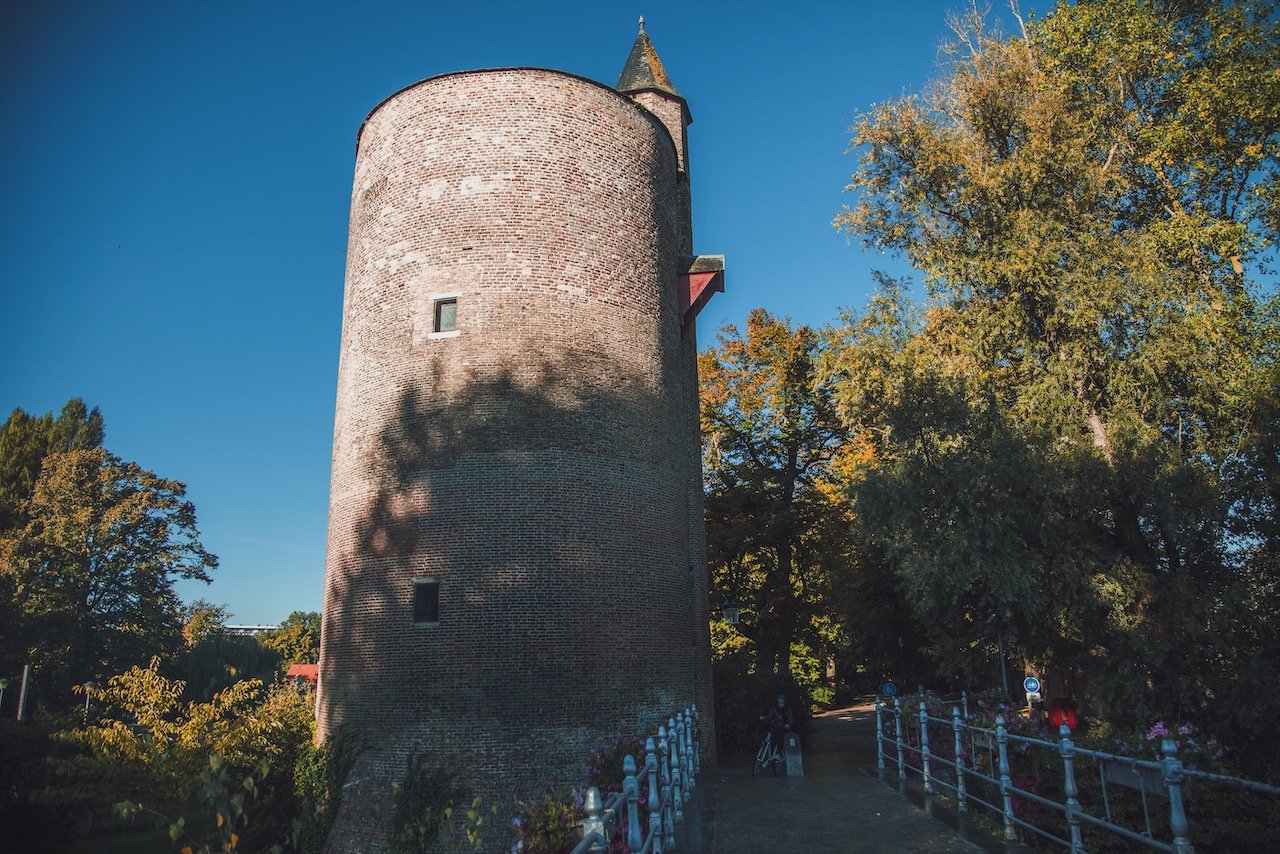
(672, 760)
(947, 756)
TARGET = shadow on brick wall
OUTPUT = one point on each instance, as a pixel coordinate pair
(552, 638)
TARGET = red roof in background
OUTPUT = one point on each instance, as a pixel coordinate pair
(309, 672)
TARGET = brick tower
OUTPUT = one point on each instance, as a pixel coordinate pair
(516, 559)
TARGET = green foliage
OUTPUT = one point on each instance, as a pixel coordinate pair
(319, 776)
(468, 828)
(26, 440)
(93, 567)
(1074, 440)
(296, 640)
(220, 660)
(423, 803)
(211, 769)
(225, 805)
(146, 745)
(550, 824)
(203, 620)
(776, 524)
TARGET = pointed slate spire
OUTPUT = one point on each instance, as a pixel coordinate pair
(644, 70)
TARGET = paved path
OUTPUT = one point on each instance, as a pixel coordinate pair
(832, 808)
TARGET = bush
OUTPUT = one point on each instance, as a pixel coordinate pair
(550, 824)
(423, 802)
(318, 778)
(32, 823)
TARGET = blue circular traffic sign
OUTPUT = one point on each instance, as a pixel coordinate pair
(1031, 684)
(888, 689)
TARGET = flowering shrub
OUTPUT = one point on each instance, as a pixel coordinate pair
(550, 824)
(1200, 754)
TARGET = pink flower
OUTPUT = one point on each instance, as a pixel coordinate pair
(1186, 729)
(1158, 731)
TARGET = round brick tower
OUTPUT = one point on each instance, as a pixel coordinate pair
(516, 568)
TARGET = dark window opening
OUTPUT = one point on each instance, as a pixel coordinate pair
(446, 319)
(426, 601)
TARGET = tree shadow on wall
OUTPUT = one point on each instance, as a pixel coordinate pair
(575, 406)
(511, 489)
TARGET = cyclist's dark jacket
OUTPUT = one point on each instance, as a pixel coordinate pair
(779, 722)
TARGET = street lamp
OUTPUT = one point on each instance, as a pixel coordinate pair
(996, 623)
(88, 686)
(732, 611)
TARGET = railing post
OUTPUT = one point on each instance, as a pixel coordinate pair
(594, 822)
(677, 774)
(664, 745)
(879, 737)
(655, 798)
(694, 752)
(897, 729)
(924, 747)
(1069, 787)
(631, 791)
(964, 703)
(1171, 767)
(1006, 784)
(956, 726)
(668, 814)
(697, 738)
(686, 753)
(684, 756)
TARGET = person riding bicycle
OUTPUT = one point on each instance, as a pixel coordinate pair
(780, 720)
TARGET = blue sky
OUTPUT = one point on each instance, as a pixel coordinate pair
(176, 179)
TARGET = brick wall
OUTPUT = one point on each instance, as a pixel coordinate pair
(538, 462)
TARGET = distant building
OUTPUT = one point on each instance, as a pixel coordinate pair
(247, 630)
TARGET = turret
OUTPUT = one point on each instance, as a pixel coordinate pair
(646, 81)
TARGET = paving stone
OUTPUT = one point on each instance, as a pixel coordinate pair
(834, 807)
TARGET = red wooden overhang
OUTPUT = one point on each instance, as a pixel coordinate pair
(309, 672)
(700, 277)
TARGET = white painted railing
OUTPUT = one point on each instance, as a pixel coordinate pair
(908, 735)
(670, 773)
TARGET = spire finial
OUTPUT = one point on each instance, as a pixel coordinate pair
(642, 23)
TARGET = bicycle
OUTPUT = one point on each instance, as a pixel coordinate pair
(767, 755)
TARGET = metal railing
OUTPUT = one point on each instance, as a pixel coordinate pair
(670, 773)
(950, 760)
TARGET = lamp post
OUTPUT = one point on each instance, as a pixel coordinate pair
(731, 610)
(4, 683)
(996, 623)
(88, 686)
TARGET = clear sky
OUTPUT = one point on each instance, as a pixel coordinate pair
(176, 178)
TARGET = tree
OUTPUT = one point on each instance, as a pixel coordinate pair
(202, 620)
(25, 442)
(94, 565)
(775, 521)
(296, 639)
(1091, 202)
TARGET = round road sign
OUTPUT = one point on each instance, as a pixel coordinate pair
(1031, 684)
